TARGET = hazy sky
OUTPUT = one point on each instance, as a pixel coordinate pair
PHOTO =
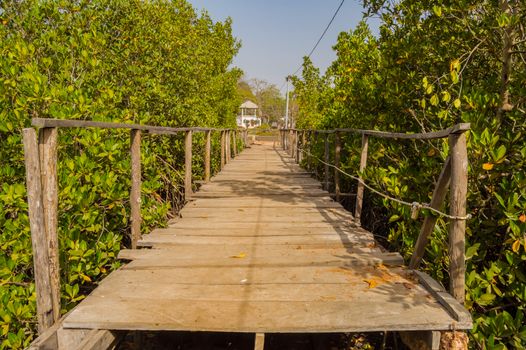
(276, 34)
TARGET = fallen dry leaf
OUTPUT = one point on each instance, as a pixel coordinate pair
(239, 256)
(372, 283)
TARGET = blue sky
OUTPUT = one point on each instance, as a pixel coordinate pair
(276, 34)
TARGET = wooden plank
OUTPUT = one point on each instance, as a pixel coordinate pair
(188, 165)
(296, 242)
(247, 230)
(158, 258)
(135, 193)
(450, 304)
(360, 189)
(48, 174)
(234, 136)
(457, 207)
(207, 155)
(439, 195)
(39, 241)
(259, 341)
(265, 202)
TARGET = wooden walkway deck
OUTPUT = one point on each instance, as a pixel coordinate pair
(262, 249)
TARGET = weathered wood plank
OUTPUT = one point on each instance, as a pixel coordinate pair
(39, 240)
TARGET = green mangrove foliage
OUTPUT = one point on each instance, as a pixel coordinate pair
(435, 64)
(151, 62)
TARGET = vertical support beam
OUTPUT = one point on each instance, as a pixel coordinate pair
(234, 137)
(337, 150)
(359, 192)
(39, 241)
(457, 207)
(297, 146)
(315, 144)
(188, 165)
(326, 159)
(135, 194)
(227, 145)
(259, 341)
(47, 144)
(223, 150)
(439, 195)
(308, 147)
(207, 155)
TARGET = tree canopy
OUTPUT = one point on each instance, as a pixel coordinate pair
(435, 64)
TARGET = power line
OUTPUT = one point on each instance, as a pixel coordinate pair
(322, 35)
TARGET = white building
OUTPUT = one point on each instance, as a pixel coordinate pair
(248, 115)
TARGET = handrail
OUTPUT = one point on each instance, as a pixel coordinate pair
(455, 129)
(454, 176)
(40, 152)
(69, 123)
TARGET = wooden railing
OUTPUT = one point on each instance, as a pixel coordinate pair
(42, 191)
(454, 175)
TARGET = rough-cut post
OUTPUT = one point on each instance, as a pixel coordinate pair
(47, 144)
(222, 149)
(234, 136)
(439, 194)
(457, 207)
(282, 135)
(39, 241)
(298, 143)
(359, 192)
(227, 145)
(188, 165)
(135, 194)
(207, 155)
(308, 147)
(337, 150)
(326, 159)
(315, 144)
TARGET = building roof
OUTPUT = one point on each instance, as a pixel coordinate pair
(248, 104)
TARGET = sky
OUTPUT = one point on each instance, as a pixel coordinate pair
(276, 34)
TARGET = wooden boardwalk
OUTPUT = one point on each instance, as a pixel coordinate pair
(262, 249)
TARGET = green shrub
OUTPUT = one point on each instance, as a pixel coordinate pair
(154, 62)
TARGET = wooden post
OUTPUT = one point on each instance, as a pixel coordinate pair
(207, 155)
(223, 161)
(234, 141)
(308, 147)
(457, 207)
(188, 165)
(227, 145)
(359, 192)
(337, 149)
(259, 341)
(315, 144)
(39, 240)
(326, 159)
(47, 144)
(439, 194)
(135, 194)
(297, 147)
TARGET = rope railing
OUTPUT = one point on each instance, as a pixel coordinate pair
(453, 180)
(415, 206)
